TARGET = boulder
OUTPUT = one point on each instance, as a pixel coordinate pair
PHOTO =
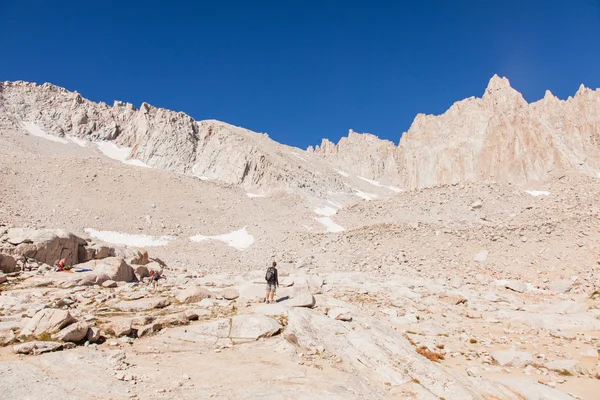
(7, 336)
(230, 294)
(143, 304)
(115, 268)
(93, 335)
(119, 328)
(249, 327)
(303, 299)
(37, 347)
(43, 245)
(193, 294)
(149, 329)
(132, 255)
(566, 367)
(86, 279)
(517, 286)
(512, 358)
(341, 314)
(154, 266)
(47, 320)
(140, 272)
(8, 263)
(563, 286)
(73, 333)
(109, 284)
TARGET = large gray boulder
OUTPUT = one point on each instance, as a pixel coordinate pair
(193, 294)
(8, 263)
(73, 333)
(37, 347)
(114, 267)
(43, 245)
(48, 320)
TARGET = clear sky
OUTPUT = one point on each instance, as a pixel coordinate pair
(302, 70)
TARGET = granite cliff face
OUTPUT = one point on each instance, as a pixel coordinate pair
(497, 137)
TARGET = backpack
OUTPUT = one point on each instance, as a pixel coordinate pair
(270, 276)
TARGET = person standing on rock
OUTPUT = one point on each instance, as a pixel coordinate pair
(272, 283)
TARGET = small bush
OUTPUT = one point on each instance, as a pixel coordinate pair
(472, 341)
(430, 355)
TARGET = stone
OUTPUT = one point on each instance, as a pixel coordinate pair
(230, 294)
(143, 304)
(481, 257)
(37, 347)
(109, 284)
(8, 264)
(193, 294)
(566, 367)
(3, 278)
(115, 268)
(75, 332)
(43, 245)
(516, 286)
(140, 271)
(302, 299)
(49, 321)
(132, 255)
(341, 314)
(477, 204)
(86, 279)
(93, 335)
(512, 358)
(563, 286)
(7, 336)
(119, 328)
(149, 329)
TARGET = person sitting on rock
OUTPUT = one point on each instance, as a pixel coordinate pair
(272, 283)
(59, 265)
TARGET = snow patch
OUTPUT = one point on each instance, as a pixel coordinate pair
(254, 195)
(129, 239)
(536, 193)
(122, 154)
(299, 156)
(330, 225)
(239, 239)
(378, 184)
(35, 130)
(342, 173)
(366, 196)
(76, 140)
(326, 211)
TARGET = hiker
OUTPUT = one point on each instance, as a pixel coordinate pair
(154, 279)
(59, 265)
(272, 282)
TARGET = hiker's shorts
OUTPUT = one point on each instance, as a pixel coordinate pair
(270, 287)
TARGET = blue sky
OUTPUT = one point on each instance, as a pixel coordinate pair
(302, 70)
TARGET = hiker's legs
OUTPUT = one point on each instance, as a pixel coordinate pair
(272, 294)
(267, 296)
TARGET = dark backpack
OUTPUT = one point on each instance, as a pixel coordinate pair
(270, 276)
